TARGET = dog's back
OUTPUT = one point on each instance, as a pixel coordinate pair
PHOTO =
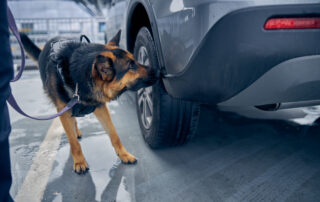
(53, 55)
(41, 56)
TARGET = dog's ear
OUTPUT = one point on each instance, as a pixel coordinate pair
(115, 40)
(104, 67)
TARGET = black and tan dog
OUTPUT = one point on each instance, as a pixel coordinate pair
(100, 72)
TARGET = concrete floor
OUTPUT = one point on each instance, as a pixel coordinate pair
(231, 159)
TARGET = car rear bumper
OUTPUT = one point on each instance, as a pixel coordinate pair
(239, 57)
(294, 80)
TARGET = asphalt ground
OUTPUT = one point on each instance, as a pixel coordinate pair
(232, 158)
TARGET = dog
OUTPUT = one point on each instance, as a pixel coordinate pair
(97, 73)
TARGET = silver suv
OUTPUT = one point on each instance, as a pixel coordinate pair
(258, 53)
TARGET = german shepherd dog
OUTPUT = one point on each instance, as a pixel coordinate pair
(100, 73)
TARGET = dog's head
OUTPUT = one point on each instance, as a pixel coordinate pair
(116, 71)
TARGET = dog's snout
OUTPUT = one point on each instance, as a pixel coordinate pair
(153, 75)
(153, 72)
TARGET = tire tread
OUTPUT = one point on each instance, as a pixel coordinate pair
(176, 120)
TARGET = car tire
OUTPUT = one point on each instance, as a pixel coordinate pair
(164, 120)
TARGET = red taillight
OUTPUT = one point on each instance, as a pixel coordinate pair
(293, 23)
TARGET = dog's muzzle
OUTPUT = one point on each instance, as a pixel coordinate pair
(152, 77)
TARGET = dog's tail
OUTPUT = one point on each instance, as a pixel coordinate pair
(31, 48)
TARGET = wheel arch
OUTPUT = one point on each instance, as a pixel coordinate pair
(139, 15)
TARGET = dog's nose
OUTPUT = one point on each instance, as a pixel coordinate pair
(153, 73)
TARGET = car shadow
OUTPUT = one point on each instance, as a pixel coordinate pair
(231, 155)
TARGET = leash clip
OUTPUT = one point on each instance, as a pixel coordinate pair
(76, 93)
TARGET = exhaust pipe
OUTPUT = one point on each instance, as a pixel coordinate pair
(287, 105)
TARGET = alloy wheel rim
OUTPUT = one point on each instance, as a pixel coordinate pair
(145, 102)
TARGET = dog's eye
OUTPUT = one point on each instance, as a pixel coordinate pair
(132, 66)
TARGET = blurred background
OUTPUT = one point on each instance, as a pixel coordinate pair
(44, 19)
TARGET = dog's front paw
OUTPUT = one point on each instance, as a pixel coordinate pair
(80, 167)
(127, 158)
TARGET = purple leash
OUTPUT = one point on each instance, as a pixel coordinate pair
(14, 104)
(11, 100)
(14, 29)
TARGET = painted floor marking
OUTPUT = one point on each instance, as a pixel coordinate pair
(37, 177)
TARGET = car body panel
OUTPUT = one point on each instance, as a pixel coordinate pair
(301, 84)
(200, 44)
(182, 24)
(237, 51)
(116, 20)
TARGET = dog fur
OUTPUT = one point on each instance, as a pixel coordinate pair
(102, 73)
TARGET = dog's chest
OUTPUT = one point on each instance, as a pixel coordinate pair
(80, 110)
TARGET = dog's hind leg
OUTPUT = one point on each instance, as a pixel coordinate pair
(102, 113)
(68, 122)
(78, 132)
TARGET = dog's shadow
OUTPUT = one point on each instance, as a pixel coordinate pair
(116, 173)
(71, 186)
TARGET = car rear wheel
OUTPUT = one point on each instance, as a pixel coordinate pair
(164, 121)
